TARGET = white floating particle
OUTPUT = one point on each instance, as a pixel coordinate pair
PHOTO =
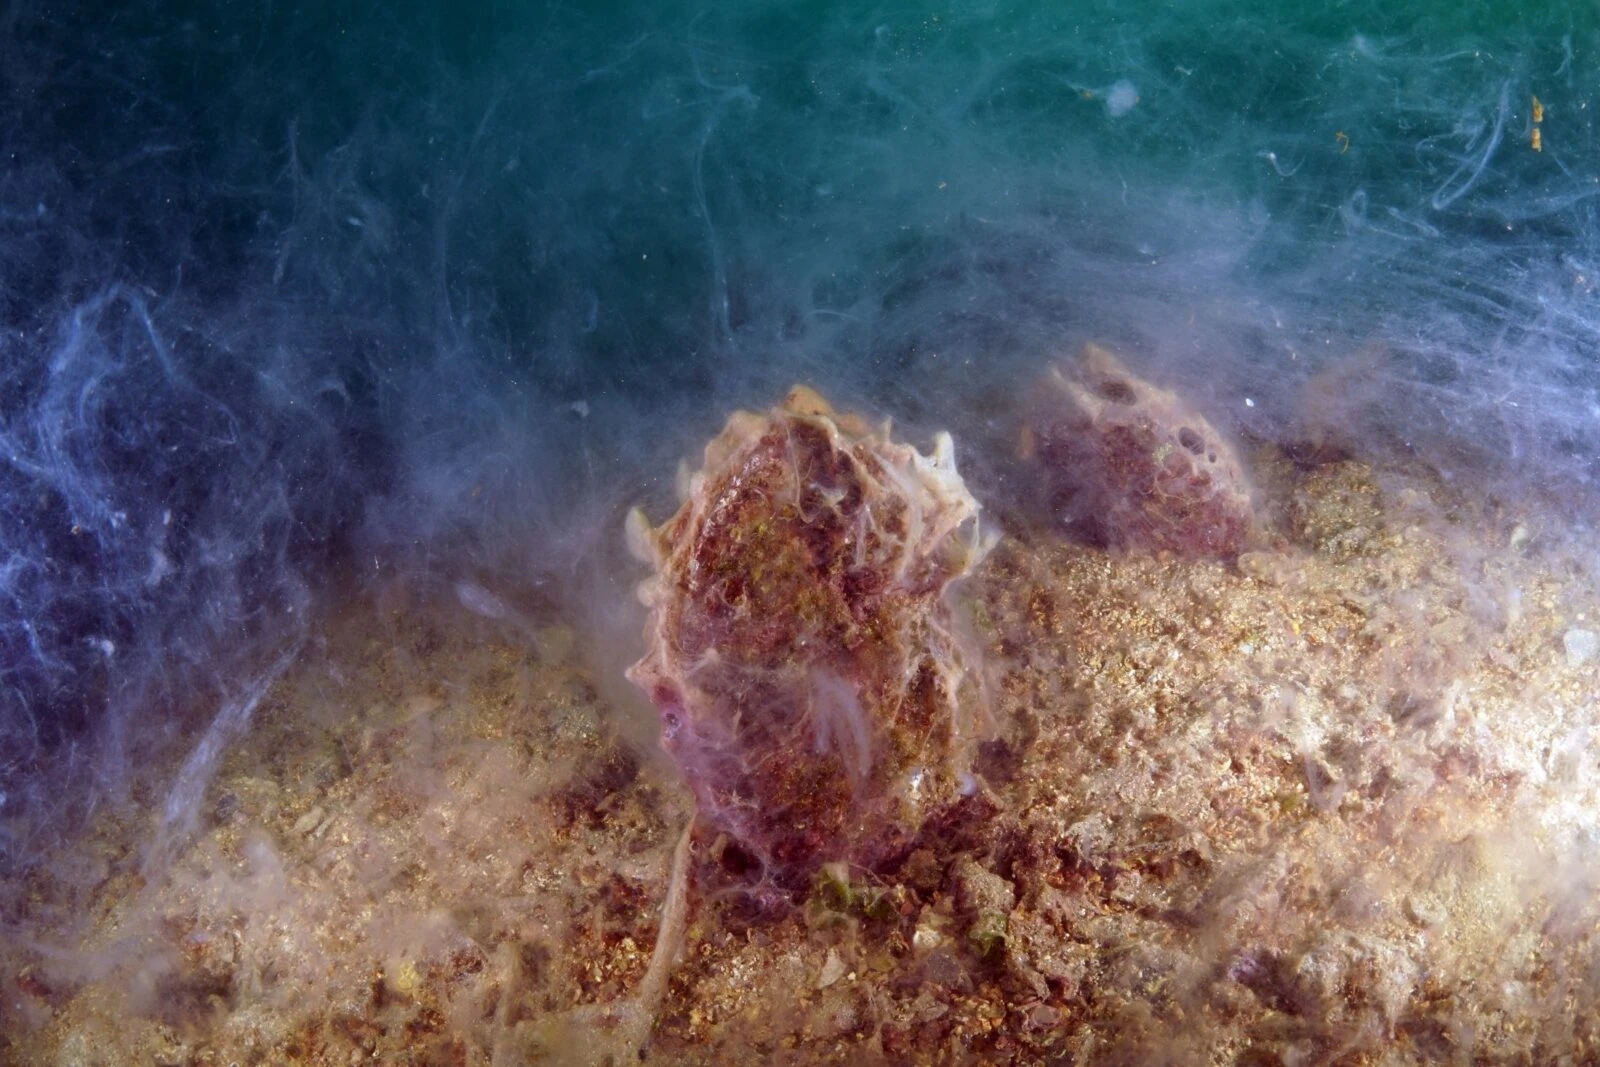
(1121, 98)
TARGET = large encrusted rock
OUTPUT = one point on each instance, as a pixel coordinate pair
(1133, 466)
(802, 654)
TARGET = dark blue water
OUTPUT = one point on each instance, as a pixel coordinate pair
(294, 298)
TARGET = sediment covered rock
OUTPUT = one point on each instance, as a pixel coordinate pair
(802, 653)
(1133, 466)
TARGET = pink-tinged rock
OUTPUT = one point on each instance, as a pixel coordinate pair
(1133, 466)
(801, 651)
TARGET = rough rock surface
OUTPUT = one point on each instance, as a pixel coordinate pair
(1133, 466)
(801, 651)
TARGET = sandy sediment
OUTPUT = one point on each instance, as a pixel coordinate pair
(1334, 802)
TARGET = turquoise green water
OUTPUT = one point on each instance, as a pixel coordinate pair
(763, 189)
(700, 177)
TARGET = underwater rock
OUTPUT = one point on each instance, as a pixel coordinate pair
(1134, 467)
(801, 651)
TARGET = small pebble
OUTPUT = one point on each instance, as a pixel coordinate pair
(307, 822)
(1581, 646)
(832, 969)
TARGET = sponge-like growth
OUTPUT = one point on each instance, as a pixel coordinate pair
(1133, 466)
(801, 652)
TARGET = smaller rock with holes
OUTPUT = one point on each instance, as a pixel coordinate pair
(1132, 467)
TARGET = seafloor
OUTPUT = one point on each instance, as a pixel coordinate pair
(1336, 803)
